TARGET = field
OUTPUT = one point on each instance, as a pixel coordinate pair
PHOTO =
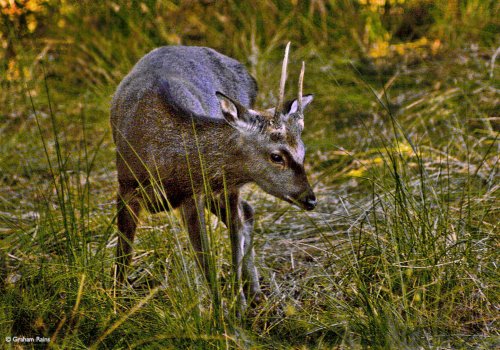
(402, 151)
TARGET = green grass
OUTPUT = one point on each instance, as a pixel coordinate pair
(401, 252)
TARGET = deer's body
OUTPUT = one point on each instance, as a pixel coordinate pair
(183, 122)
(160, 118)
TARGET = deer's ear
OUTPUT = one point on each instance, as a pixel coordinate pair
(293, 105)
(235, 114)
(228, 107)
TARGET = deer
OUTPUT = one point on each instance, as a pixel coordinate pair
(183, 121)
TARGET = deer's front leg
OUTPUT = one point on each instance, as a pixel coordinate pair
(250, 273)
(194, 220)
(241, 232)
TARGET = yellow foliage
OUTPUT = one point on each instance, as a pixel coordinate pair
(405, 149)
(173, 38)
(382, 48)
(372, 2)
(39, 323)
(27, 73)
(365, 161)
(34, 5)
(32, 23)
(290, 310)
(29, 8)
(66, 7)
(115, 6)
(357, 172)
(144, 7)
(379, 49)
(11, 10)
(12, 71)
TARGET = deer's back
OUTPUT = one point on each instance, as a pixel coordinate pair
(187, 77)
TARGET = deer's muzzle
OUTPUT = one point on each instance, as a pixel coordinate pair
(306, 200)
(310, 202)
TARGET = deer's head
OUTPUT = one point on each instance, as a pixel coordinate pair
(270, 144)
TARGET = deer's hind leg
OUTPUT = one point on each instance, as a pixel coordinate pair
(128, 207)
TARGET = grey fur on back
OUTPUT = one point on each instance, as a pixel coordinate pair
(188, 77)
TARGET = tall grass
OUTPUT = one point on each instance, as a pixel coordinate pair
(403, 150)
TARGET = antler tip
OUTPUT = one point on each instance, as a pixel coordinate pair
(282, 82)
(301, 82)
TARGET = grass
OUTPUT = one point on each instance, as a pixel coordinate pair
(403, 151)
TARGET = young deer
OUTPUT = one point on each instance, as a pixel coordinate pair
(183, 122)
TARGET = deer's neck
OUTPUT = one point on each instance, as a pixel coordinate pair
(222, 154)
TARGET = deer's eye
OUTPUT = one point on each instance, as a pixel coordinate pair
(277, 158)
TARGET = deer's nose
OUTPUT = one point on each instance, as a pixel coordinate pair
(310, 202)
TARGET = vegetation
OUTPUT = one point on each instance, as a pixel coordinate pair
(403, 150)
